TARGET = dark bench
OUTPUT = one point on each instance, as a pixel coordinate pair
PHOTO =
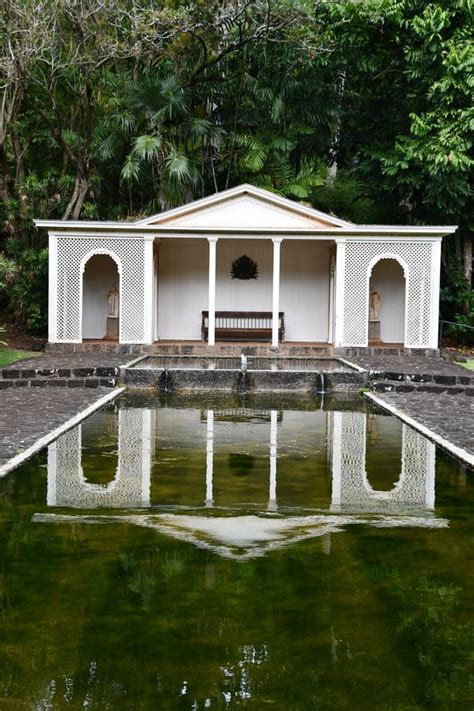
(243, 325)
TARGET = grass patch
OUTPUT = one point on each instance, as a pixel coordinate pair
(469, 364)
(10, 356)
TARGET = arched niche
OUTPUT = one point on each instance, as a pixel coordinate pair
(387, 285)
(101, 274)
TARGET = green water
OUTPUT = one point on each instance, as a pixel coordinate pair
(194, 554)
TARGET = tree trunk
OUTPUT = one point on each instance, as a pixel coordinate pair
(467, 256)
(73, 210)
(467, 266)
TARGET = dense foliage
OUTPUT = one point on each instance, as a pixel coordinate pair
(113, 110)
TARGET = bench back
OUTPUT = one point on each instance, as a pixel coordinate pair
(243, 321)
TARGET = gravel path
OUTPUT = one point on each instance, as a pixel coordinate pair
(26, 414)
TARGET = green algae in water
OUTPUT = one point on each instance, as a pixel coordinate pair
(219, 554)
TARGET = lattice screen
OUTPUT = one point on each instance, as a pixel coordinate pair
(418, 257)
(415, 487)
(125, 490)
(130, 252)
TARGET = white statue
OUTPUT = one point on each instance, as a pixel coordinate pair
(374, 306)
(113, 299)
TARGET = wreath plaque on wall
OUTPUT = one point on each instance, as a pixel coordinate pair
(244, 268)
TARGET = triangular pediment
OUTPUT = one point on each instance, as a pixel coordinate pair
(246, 207)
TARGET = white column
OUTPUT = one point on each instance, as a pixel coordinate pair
(331, 300)
(272, 495)
(53, 289)
(435, 278)
(211, 334)
(276, 290)
(156, 267)
(148, 280)
(209, 458)
(339, 305)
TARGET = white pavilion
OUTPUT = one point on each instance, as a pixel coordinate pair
(244, 264)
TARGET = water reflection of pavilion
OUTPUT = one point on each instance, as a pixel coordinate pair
(348, 435)
(346, 438)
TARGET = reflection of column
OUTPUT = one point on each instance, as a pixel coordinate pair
(272, 494)
(276, 292)
(211, 331)
(148, 431)
(209, 458)
(336, 434)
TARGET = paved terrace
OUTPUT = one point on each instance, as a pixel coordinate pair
(407, 364)
(26, 414)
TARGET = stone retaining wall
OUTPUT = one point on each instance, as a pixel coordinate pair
(244, 381)
(235, 349)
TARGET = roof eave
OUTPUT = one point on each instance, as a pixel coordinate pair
(135, 228)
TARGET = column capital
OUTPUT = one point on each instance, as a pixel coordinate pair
(340, 240)
(277, 240)
(148, 238)
(212, 240)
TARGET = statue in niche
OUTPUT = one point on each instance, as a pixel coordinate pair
(244, 268)
(374, 306)
(113, 302)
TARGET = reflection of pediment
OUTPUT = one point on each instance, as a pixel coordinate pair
(244, 537)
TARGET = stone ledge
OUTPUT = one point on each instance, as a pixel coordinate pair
(58, 383)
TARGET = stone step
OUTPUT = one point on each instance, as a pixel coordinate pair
(92, 382)
(397, 386)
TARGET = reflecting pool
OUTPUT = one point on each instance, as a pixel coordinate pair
(198, 553)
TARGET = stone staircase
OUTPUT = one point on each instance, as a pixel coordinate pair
(82, 377)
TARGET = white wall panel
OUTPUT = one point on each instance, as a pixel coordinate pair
(304, 290)
(244, 294)
(182, 288)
